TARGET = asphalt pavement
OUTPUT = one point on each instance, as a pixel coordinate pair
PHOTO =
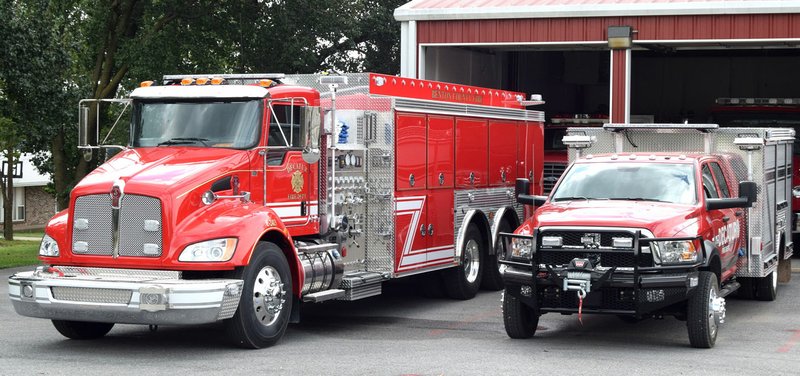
(407, 332)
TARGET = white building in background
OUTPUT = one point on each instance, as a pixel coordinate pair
(33, 206)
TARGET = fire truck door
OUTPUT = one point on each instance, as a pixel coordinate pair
(502, 153)
(441, 164)
(725, 223)
(530, 158)
(472, 153)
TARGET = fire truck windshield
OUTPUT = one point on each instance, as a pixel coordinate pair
(660, 182)
(204, 124)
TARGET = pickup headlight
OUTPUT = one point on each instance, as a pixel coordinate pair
(209, 251)
(521, 248)
(675, 251)
(48, 247)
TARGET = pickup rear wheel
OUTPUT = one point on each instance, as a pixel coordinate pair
(519, 319)
(767, 287)
(266, 302)
(463, 281)
(705, 311)
(82, 329)
(492, 280)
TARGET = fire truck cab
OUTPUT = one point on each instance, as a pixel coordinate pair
(652, 220)
(240, 196)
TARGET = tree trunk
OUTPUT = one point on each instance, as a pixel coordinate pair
(59, 172)
(8, 200)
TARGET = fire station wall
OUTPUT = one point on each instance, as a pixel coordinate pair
(464, 65)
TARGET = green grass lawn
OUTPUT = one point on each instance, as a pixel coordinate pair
(18, 253)
(29, 233)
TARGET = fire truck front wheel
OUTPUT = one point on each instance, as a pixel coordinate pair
(266, 302)
(705, 312)
(519, 319)
(463, 281)
(82, 329)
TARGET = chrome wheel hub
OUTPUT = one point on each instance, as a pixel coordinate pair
(269, 295)
(716, 312)
(471, 260)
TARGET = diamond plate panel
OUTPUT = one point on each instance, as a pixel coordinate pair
(118, 274)
(380, 195)
(91, 295)
(486, 200)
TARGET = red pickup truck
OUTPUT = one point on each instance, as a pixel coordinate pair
(638, 232)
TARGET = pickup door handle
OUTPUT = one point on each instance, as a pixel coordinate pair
(726, 219)
(739, 213)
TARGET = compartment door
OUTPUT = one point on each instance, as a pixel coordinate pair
(411, 151)
(441, 228)
(410, 242)
(502, 153)
(472, 153)
(441, 151)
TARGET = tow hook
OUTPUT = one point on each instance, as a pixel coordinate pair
(718, 307)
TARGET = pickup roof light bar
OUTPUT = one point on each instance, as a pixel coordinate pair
(230, 79)
(621, 126)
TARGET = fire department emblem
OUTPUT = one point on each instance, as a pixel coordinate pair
(297, 181)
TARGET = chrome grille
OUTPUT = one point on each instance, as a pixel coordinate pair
(552, 171)
(91, 295)
(95, 238)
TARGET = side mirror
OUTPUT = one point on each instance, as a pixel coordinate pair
(309, 135)
(749, 190)
(796, 192)
(84, 141)
(522, 189)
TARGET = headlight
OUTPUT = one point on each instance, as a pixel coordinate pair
(673, 252)
(209, 251)
(48, 247)
(521, 247)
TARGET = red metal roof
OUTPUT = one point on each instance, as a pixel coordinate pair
(421, 10)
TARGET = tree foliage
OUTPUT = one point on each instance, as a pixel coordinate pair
(60, 51)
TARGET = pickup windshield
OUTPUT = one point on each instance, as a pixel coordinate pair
(203, 124)
(660, 182)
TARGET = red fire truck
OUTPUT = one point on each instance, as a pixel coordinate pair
(654, 220)
(240, 196)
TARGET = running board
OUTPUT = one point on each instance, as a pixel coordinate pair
(324, 295)
(729, 288)
(360, 285)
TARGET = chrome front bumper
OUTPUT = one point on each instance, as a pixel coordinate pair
(125, 296)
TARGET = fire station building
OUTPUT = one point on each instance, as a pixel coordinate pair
(623, 60)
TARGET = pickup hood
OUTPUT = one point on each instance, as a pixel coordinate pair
(162, 171)
(662, 219)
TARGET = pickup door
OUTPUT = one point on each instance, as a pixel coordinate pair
(725, 223)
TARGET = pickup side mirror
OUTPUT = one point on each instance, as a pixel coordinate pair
(748, 192)
(522, 189)
(309, 134)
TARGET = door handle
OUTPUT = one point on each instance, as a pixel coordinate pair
(739, 213)
(726, 219)
(430, 230)
(422, 229)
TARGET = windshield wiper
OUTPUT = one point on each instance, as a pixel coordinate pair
(571, 198)
(183, 141)
(636, 199)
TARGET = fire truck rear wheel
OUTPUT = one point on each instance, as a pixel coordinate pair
(266, 302)
(702, 319)
(82, 329)
(767, 287)
(519, 319)
(492, 280)
(463, 281)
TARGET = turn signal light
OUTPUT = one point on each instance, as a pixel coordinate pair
(187, 81)
(217, 80)
(265, 83)
(202, 81)
(146, 84)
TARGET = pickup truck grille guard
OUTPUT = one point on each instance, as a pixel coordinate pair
(639, 289)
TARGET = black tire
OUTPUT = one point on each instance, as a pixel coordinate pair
(81, 329)
(519, 319)
(462, 282)
(767, 287)
(702, 322)
(254, 325)
(492, 280)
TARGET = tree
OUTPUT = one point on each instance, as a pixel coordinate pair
(9, 141)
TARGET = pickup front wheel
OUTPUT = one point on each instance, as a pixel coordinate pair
(706, 311)
(519, 319)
